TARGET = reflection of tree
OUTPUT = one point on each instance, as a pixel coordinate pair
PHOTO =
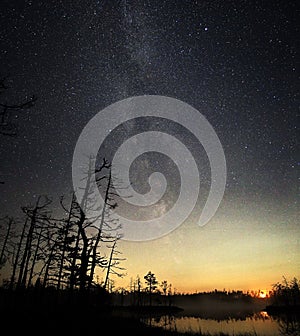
(168, 321)
(288, 325)
(261, 316)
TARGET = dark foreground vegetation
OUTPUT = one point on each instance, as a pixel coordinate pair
(37, 310)
(77, 319)
(285, 298)
(61, 313)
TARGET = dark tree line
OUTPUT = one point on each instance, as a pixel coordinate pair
(146, 292)
(286, 293)
(39, 250)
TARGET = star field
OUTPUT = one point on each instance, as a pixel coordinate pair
(234, 61)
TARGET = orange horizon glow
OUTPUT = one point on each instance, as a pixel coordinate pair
(241, 251)
(262, 295)
(253, 291)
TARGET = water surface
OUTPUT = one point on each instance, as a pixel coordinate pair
(259, 324)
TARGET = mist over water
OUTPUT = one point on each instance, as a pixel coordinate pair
(210, 316)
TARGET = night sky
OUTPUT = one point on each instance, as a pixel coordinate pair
(234, 61)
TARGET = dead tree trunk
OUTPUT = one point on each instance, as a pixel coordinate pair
(10, 222)
(28, 250)
(26, 254)
(35, 257)
(48, 264)
(73, 263)
(98, 238)
(84, 257)
(109, 263)
(16, 261)
(65, 242)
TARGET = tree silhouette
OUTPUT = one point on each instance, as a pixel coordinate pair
(61, 256)
(286, 293)
(9, 221)
(164, 286)
(67, 239)
(106, 205)
(113, 266)
(37, 215)
(151, 284)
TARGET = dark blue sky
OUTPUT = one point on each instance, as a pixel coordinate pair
(234, 61)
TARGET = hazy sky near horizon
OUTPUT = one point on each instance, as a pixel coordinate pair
(234, 61)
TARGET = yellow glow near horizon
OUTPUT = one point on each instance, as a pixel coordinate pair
(263, 294)
(243, 248)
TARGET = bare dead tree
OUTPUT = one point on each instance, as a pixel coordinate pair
(26, 253)
(100, 228)
(66, 238)
(36, 214)
(17, 257)
(9, 222)
(52, 245)
(84, 257)
(35, 255)
(113, 266)
(74, 256)
(85, 225)
(85, 252)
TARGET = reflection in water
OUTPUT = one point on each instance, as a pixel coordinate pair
(258, 324)
(289, 325)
